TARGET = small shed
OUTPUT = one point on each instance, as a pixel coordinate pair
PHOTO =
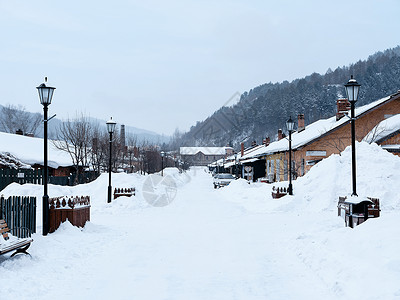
(356, 210)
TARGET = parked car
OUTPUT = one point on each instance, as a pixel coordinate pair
(223, 179)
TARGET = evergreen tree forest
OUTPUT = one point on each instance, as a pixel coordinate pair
(264, 109)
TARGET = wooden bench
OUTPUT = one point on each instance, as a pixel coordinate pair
(127, 192)
(13, 243)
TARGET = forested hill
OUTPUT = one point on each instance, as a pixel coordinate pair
(264, 109)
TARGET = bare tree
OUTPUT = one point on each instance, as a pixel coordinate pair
(376, 133)
(98, 153)
(132, 153)
(15, 118)
(73, 137)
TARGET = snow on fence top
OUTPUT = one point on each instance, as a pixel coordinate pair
(69, 202)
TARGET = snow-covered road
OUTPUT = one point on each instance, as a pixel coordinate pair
(202, 246)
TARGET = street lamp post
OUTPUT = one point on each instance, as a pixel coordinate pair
(162, 163)
(236, 166)
(352, 89)
(290, 128)
(45, 95)
(110, 128)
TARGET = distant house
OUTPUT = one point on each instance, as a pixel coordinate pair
(203, 156)
(18, 152)
(312, 143)
(250, 169)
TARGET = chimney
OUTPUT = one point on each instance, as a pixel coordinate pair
(300, 123)
(19, 132)
(253, 143)
(342, 107)
(123, 140)
(266, 141)
(280, 134)
(242, 149)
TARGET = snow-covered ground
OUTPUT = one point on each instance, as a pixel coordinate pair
(232, 243)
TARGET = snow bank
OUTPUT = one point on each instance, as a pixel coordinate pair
(377, 176)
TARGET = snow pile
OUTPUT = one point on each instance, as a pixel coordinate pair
(180, 178)
(377, 176)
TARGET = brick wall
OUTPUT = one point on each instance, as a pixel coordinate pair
(336, 141)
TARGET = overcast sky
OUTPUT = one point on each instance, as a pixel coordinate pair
(161, 65)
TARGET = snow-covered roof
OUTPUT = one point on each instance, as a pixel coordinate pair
(384, 129)
(29, 150)
(391, 147)
(204, 150)
(312, 132)
(357, 200)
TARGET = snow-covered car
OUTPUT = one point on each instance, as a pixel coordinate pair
(223, 179)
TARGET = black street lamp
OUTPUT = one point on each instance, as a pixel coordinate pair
(290, 128)
(352, 89)
(236, 166)
(162, 163)
(45, 96)
(110, 128)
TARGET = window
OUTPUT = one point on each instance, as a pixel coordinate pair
(278, 170)
(285, 170)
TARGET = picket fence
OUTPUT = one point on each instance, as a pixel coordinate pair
(20, 214)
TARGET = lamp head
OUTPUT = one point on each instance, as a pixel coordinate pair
(290, 124)
(352, 88)
(45, 93)
(111, 125)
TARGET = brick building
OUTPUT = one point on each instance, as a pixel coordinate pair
(312, 143)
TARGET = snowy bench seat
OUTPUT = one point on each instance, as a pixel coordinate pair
(10, 243)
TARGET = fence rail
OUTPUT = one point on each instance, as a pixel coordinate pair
(22, 176)
(20, 214)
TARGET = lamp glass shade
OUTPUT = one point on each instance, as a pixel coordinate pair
(352, 89)
(162, 153)
(45, 94)
(111, 126)
(290, 124)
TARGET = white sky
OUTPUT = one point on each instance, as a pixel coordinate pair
(160, 65)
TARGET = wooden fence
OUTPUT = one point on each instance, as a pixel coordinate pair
(20, 214)
(22, 176)
(74, 209)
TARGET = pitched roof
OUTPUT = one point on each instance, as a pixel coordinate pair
(316, 130)
(384, 130)
(204, 150)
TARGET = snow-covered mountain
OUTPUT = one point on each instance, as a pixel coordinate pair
(140, 134)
